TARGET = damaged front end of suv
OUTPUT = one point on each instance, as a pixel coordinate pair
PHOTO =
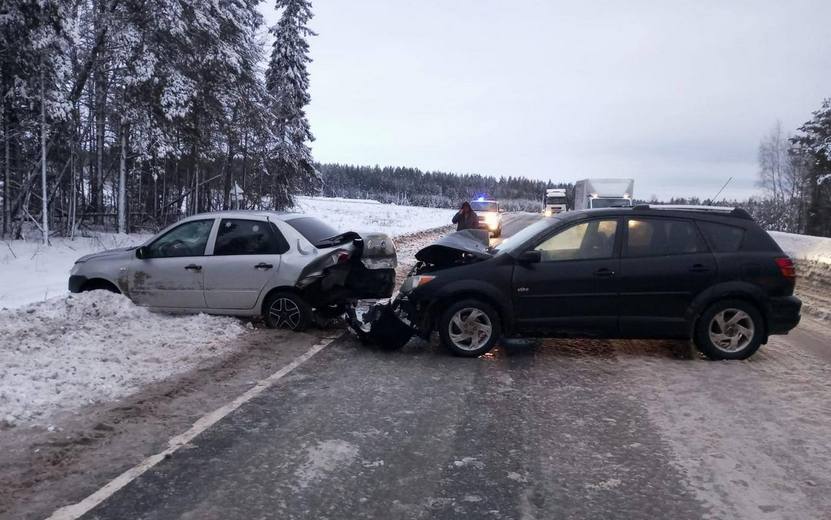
(411, 311)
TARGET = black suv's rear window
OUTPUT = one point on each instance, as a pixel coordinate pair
(722, 238)
(658, 237)
(313, 229)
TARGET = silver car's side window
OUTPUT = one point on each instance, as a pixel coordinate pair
(189, 239)
(249, 237)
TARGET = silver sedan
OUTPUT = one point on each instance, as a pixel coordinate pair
(285, 267)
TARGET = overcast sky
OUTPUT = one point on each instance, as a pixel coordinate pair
(675, 94)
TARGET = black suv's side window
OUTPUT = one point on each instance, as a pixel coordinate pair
(249, 237)
(722, 238)
(661, 237)
(189, 239)
(588, 240)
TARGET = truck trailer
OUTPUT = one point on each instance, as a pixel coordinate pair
(602, 193)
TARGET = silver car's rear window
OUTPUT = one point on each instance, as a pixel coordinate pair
(313, 229)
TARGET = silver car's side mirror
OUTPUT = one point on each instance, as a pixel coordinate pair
(141, 253)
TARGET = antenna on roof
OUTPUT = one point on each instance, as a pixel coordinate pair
(722, 189)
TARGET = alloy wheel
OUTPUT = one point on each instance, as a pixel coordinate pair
(731, 330)
(470, 328)
(285, 313)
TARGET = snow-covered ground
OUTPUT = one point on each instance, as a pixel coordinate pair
(370, 215)
(61, 351)
(91, 347)
(31, 272)
(813, 269)
(804, 247)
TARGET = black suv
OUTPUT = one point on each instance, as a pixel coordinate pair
(709, 274)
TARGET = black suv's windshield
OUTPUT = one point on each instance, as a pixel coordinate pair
(484, 205)
(519, 238)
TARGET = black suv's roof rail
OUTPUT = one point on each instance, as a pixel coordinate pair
(724, 210)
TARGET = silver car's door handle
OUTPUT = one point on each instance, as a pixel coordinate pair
(263, 265)
(193, 267)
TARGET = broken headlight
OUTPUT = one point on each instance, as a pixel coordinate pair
(413, 282)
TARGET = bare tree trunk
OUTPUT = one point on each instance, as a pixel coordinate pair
(97, 191)
(7, 214)
(122, 182)
(73, 199)
(45, 205)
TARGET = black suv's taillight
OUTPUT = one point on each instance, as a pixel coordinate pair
(786, 267)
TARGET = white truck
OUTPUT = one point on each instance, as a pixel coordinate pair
(555, 201)
(603, 193)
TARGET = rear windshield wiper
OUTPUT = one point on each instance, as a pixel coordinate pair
(337, 239)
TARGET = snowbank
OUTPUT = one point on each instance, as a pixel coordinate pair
(92, 347)
(804, 247)
(370, 215)
(31, 272)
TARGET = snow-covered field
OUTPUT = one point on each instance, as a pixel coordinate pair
(91, 347)
(370, 215)
(31, 272)
(804, 247)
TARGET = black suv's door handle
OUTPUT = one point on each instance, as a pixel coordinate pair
(193, 267)
(263, 265)
(699, 268)
(604, 272)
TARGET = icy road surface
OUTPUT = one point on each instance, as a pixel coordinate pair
(552, 429)
(559, 429)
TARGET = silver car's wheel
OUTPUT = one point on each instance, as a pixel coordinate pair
(285, 313)
(289, 311)
(469, 329)
(731, 330)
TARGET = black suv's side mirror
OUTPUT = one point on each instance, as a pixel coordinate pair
(532, 256)
(141, 253)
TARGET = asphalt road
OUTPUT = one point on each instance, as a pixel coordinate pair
(554, 429)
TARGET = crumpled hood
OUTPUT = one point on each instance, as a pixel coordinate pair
(461, 245)
(109, 254)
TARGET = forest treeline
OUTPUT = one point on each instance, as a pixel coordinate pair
(412, 186)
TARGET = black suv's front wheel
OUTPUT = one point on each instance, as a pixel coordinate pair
(729, 329)
(469, 328)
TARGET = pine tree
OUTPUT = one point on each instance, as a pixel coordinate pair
(813, 142)
(289, 157)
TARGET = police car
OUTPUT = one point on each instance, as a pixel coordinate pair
(489, 213)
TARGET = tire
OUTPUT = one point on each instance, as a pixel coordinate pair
(729, 329)
(485, 330)
(100, 285)
(289, 311)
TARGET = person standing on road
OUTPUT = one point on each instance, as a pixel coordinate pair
(466, 218)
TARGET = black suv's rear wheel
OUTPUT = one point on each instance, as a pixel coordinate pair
(285, 310)
(729, 329)
(469, 328)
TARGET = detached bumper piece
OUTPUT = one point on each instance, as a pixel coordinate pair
(381, 325)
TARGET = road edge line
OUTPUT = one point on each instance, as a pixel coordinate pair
(74, 511)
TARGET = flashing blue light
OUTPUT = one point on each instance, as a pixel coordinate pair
(481, 199)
